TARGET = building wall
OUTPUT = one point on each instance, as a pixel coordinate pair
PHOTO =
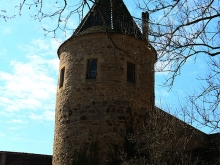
(184, 135)
(101, 109)
(16, 158)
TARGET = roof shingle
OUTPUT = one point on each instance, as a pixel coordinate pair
(111, 16)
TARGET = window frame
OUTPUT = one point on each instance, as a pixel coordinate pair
(131, 76)
(62, 77)
(89, 72)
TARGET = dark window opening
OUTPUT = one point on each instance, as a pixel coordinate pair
(130, 72)
(62, 73)
(92, 68)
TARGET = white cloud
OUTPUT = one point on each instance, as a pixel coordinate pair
(41, 44)
(6, 30)
(46, 115)
(14, 128)
(31, 85)
(3, 52)
(161, 68)
(162, 92)
(28, 86)
(17, 121)
(41, 47)
(28, 79)
(2, 134)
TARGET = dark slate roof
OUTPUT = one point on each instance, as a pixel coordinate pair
(110, 15)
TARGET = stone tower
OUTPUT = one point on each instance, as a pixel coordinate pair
(106, 82)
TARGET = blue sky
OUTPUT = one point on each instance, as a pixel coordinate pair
(28, 82)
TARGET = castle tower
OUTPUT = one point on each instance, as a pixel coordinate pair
(106, 82)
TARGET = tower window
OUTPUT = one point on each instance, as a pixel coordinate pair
(130, 72)
(92, 68)
(62, 73)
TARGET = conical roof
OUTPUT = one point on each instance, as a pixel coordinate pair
(111, 16)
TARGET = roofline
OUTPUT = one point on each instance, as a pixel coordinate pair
(151, 47)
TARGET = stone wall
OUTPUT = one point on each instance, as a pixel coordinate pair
(16, 158)
(101, 109)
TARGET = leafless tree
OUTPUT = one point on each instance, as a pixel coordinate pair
(179, 30)
(60, 11)
(203, 107)
(4, 16)
(183, 30)
(165, 140)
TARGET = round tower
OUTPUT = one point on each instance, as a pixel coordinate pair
(106, 83)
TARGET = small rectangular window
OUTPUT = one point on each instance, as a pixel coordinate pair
(130, 72)
(92, 68)
(62, 74)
